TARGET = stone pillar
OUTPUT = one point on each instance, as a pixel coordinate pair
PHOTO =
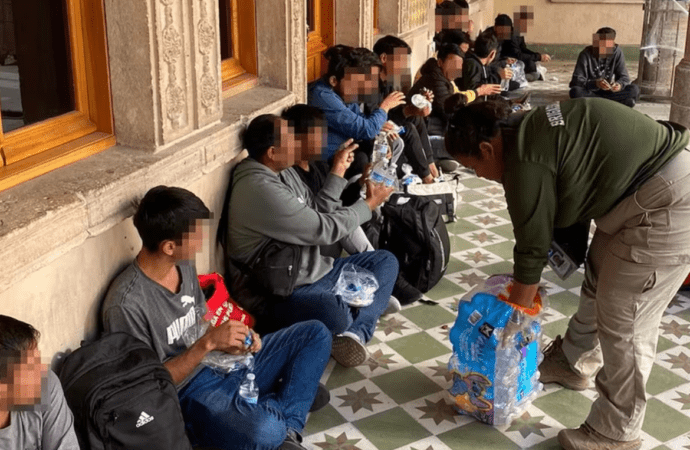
(165, 59)
(663, 31)
(354, 22)
(282, 45)
(680, 103)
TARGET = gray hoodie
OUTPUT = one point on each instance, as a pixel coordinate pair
(262, 207)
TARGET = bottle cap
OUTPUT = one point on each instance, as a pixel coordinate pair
(250, 376)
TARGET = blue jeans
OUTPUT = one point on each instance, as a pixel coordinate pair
(287, 369)
(317, 300)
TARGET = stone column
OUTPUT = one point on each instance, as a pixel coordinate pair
(354, 23)
(680, 103)
(165, 59)
(282, 45)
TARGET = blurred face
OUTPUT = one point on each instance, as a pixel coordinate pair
(465, 47)
(285, 150)
(398, 68)
(25, 379)
(311, 143)
(358, 84)
(451, 67)
(523, 18)
(192, 241)
(451, 20)
(603, 44)
(503, 32)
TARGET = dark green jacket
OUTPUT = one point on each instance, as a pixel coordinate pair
(574, 161)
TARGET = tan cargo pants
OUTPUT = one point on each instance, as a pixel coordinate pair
(637, 261)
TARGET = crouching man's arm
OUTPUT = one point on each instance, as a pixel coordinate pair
(228, 337)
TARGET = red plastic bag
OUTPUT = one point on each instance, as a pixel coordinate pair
(221, 307)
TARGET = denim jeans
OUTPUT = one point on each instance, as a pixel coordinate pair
(287, 369)
(318, 301)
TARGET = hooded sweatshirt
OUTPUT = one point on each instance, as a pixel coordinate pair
(589, 68)
(262, 207)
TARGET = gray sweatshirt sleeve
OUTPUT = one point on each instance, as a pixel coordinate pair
(269, 208)
(328, 198)
(58, 422)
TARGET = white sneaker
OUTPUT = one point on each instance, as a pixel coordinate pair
(348, 349)
(393, 307)
(542, 71)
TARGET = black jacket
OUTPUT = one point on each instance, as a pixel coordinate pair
(475, 74)
(589, 68)
(433, 79)
(515, 48)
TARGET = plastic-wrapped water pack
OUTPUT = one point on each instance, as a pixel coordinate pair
(496, 353)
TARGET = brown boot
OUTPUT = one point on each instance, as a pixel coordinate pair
(587, 438)
(556, 369)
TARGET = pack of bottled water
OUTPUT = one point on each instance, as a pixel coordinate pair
(496, 353)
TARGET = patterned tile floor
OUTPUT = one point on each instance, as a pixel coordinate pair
(398, 398)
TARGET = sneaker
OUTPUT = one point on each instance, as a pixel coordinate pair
(393, 306)
(448, 165)
(587, 438)
(405, 292)
(293, 441)
(321, 399)
(556, 369)
(348, 350)
(542, 72)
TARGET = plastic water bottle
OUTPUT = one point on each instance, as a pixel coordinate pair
(382, 173)
(505, 84)
(380, 148)
(249, 390)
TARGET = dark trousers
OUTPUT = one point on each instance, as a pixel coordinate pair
(627, 96)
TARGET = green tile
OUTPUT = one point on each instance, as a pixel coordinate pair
(553, 329)
(661, 380)
(663, 422)
(374, 340)
(503, 249)
(503, 213)
(661, 447)
(458, 244)
(664, 344)
(418, 347)
(322, 420)
(573, 281)
(468, 196)
(444, 289)
(685, 314)
(340, 376)
(398, 385)
(565, 303)
(428, 316)
(549, 444)
(501, 267)
(467, 210)
(573, 415)
(391, 429)
(475, 183)
(505, 230)
(475, 436)
(455, 265)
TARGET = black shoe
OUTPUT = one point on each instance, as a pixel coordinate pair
(293, 441)
(322, 398)
(405, 292)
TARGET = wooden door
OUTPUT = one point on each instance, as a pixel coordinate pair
(319, 36)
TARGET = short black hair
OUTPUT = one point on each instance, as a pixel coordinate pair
(341, 57)
(462, 4)
(259, 135)
(475, 123)
(503, 20)
(303, 117)
(16, 337)
(456, 37)
(166, 214)
(486, 42)
(606, 31)
(448, 7)
(388, 43)
(449, 49)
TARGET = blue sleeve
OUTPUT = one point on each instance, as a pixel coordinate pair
(347, 120)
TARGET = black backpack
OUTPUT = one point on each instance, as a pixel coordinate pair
(122, 397)
(414, 231)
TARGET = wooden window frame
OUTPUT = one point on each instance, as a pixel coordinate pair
(35, 149)
(377, 30)
(321, 37)
(239, 71)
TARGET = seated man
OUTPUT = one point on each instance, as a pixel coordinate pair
(601, 72)
(395, 73)
(158, 297)
(477, 70)
(453, 16)
(33, 410)
(262, 208)
(513, 47)
(352, 78)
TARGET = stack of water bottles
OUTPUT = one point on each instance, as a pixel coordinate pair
(496, 353)
(384, 171)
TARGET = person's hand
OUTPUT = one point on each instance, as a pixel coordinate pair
(506, 73)
(428, 94)
(377, 194)
(256, 342)
(392, 137)
(545, 57)
(603, 84)
(511, 60)
(412, 110)
(343, 158)
(228, 337)
(488, 89)
(470, 27)
(616, 87)
(394, 99)
(433, 170)
(387, 126)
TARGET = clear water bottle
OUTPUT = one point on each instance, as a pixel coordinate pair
(380, 148)
(249, 390)
(381, 173)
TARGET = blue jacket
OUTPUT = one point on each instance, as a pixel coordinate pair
(345, 121)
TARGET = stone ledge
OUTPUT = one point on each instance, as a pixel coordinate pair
(44, 218)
